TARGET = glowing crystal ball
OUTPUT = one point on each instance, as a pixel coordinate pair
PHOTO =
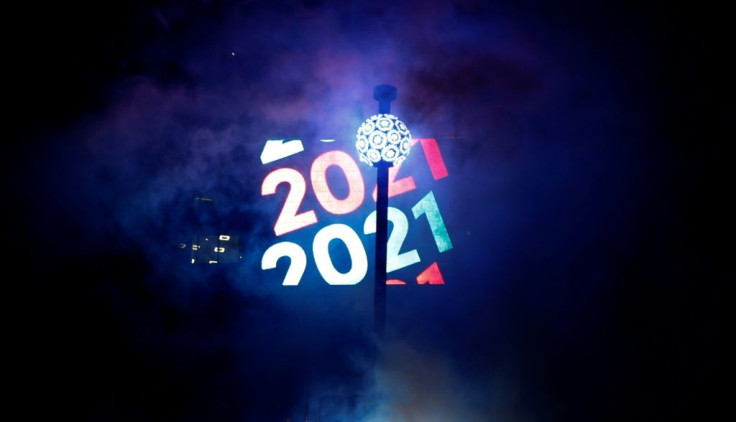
(383, 138)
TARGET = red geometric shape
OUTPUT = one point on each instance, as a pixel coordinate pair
(395, 282)
(431, 275)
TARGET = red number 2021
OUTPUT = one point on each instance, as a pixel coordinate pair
(290, 219)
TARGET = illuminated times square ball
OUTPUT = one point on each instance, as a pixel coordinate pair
(383, 138)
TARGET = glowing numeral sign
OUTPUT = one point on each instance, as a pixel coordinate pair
(327, 214)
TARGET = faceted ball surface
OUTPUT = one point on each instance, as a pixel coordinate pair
(383, 138)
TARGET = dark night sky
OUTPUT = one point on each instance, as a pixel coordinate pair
(587, 200)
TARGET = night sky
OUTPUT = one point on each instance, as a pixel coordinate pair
(586, 201)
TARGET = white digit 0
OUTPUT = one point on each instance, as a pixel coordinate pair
(358, 258)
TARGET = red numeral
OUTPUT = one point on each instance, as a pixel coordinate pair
(356, 187)
(434, 157)
(396, 187)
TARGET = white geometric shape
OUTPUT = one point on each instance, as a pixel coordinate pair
(276, 149)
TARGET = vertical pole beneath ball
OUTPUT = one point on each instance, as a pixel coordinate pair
(384, 94)
(381, 241)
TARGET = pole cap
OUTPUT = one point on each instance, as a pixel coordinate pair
(384, 93)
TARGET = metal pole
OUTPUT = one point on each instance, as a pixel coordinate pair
(381, 241)
(384, 94)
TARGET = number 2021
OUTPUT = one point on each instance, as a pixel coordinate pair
(395, 259)
(290, 219)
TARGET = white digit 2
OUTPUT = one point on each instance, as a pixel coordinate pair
(394, 259)
(297, 265)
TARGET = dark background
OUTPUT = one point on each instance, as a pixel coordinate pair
(585, 145)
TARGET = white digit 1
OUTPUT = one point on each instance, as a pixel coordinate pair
(297, 265)
(428, 207)
(358, 258)
(289, 219)
(394, 259)
(356, 187)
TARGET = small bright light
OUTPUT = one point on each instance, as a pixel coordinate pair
(383, 138)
